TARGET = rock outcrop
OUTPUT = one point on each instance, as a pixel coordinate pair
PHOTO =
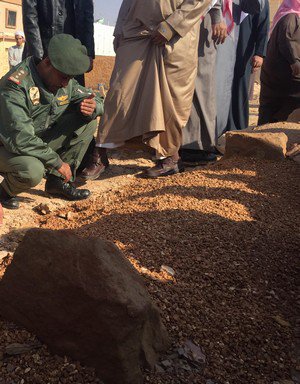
(269, 146)
(291, 130)
(85, 300)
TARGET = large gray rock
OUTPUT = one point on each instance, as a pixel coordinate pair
(85, 300)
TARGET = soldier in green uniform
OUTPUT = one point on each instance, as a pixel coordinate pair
(47, 121)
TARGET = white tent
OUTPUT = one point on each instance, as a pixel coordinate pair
(103, 35)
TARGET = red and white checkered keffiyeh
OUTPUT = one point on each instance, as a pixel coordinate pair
(227, 14)
(286, 7)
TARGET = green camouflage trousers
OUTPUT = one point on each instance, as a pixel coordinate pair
(70, 137)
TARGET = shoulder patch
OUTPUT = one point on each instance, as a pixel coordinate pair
(18, 75)
(34, 94)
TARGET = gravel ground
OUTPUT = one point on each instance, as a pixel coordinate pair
(231, 233)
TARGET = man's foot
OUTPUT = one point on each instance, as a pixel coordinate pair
(57, 187)
(99, 162)
(197, 157)
(164, 167)
(7, 201)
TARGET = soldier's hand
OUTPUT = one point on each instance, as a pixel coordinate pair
(88, 105)
(65, 171)
(219, 32)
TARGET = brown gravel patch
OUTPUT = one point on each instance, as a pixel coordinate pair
(101, 73)
(231, 233)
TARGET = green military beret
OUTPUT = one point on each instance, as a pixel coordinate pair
(68, 55)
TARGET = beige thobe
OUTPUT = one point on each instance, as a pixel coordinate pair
(152, 87)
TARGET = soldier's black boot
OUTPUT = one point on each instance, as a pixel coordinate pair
(56, 186)
(7, 201)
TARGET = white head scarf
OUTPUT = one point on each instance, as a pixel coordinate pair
(20, 33)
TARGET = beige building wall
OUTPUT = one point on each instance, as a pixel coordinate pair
(274, 5)
(4, 66)
(7, 32)
(10, 5)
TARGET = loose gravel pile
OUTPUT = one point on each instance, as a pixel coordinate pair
(231, 234)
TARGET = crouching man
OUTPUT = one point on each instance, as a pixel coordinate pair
(47, 121)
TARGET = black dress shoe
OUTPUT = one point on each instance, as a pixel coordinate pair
(7, 201)
(197, 157)
(56, 186)
(10, 203)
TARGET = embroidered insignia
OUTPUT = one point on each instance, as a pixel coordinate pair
(15, 79)
(63, 100)
(34, 94)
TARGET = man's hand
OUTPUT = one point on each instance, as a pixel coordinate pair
(158, 39)
(219, 32)
(257, 62)
(65, 171)
(295, 68)
(88, 105)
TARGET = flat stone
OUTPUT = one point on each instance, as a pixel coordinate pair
(269, 146)
(44, 209)
(170, 271)
(17, 349)
(166, 363)
(281, 321)
(291, 130)
(294, 152)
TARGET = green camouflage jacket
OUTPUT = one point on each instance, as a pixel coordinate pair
(27, 109)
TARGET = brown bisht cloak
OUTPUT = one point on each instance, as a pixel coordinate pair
(280, 89)
(152, 87)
